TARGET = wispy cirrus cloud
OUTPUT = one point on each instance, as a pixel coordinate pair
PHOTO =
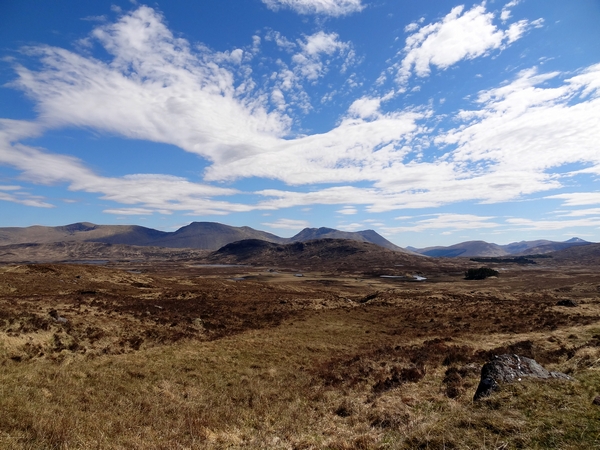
(16, 194)
(323, 7)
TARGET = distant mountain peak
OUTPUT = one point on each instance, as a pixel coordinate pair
(318, 231)
(200, 235)
(484, 249)
(370, 236)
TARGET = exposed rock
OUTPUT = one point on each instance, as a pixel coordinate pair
(508, 369)
(569, 303)
(56, 317)
(596, 401)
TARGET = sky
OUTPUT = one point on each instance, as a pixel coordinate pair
(430, 122)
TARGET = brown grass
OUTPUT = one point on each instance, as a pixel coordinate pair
(285, 363)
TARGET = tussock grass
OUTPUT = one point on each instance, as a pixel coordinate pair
(250, 391)
(329, 375)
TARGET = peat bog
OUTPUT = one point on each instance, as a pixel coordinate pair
(168, 354)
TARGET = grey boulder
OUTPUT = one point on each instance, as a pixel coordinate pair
(509, 369)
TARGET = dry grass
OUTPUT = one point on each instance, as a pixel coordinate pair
(293, 364)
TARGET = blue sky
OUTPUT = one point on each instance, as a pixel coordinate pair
(431, 122)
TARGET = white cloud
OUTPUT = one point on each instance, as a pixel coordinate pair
(411, 27)
(15, 194)
(94, 18)
(160, 193)
(355, 150)
(309, 62)
(351, 226)
(453, 222)
(365, 107)
(160, 88)
(377, 200)
(505, 15)
(579, 198)
(10, 188)
(548, 225)
(347, 210)
(280, 40)
(288, 224)
(528, 127)
(278, 99)
(324, 7)
(134, 211)
(582, 212)
(459, 35)
(506, 11)
(234, 57)
(155, 88)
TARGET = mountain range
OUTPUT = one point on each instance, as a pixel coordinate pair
(198, 235)
(213, 236)
(482, 248)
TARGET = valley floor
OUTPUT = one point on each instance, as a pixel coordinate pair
(184, 356)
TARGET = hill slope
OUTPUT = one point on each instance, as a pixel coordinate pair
(467, 249)
(553, 247)
(93, 252)
(81, 232)
(322, 254)
(370, 236)
(588, 255)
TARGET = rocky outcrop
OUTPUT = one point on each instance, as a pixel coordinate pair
(509, 369)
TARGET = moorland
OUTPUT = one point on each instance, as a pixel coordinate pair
(321, 344)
